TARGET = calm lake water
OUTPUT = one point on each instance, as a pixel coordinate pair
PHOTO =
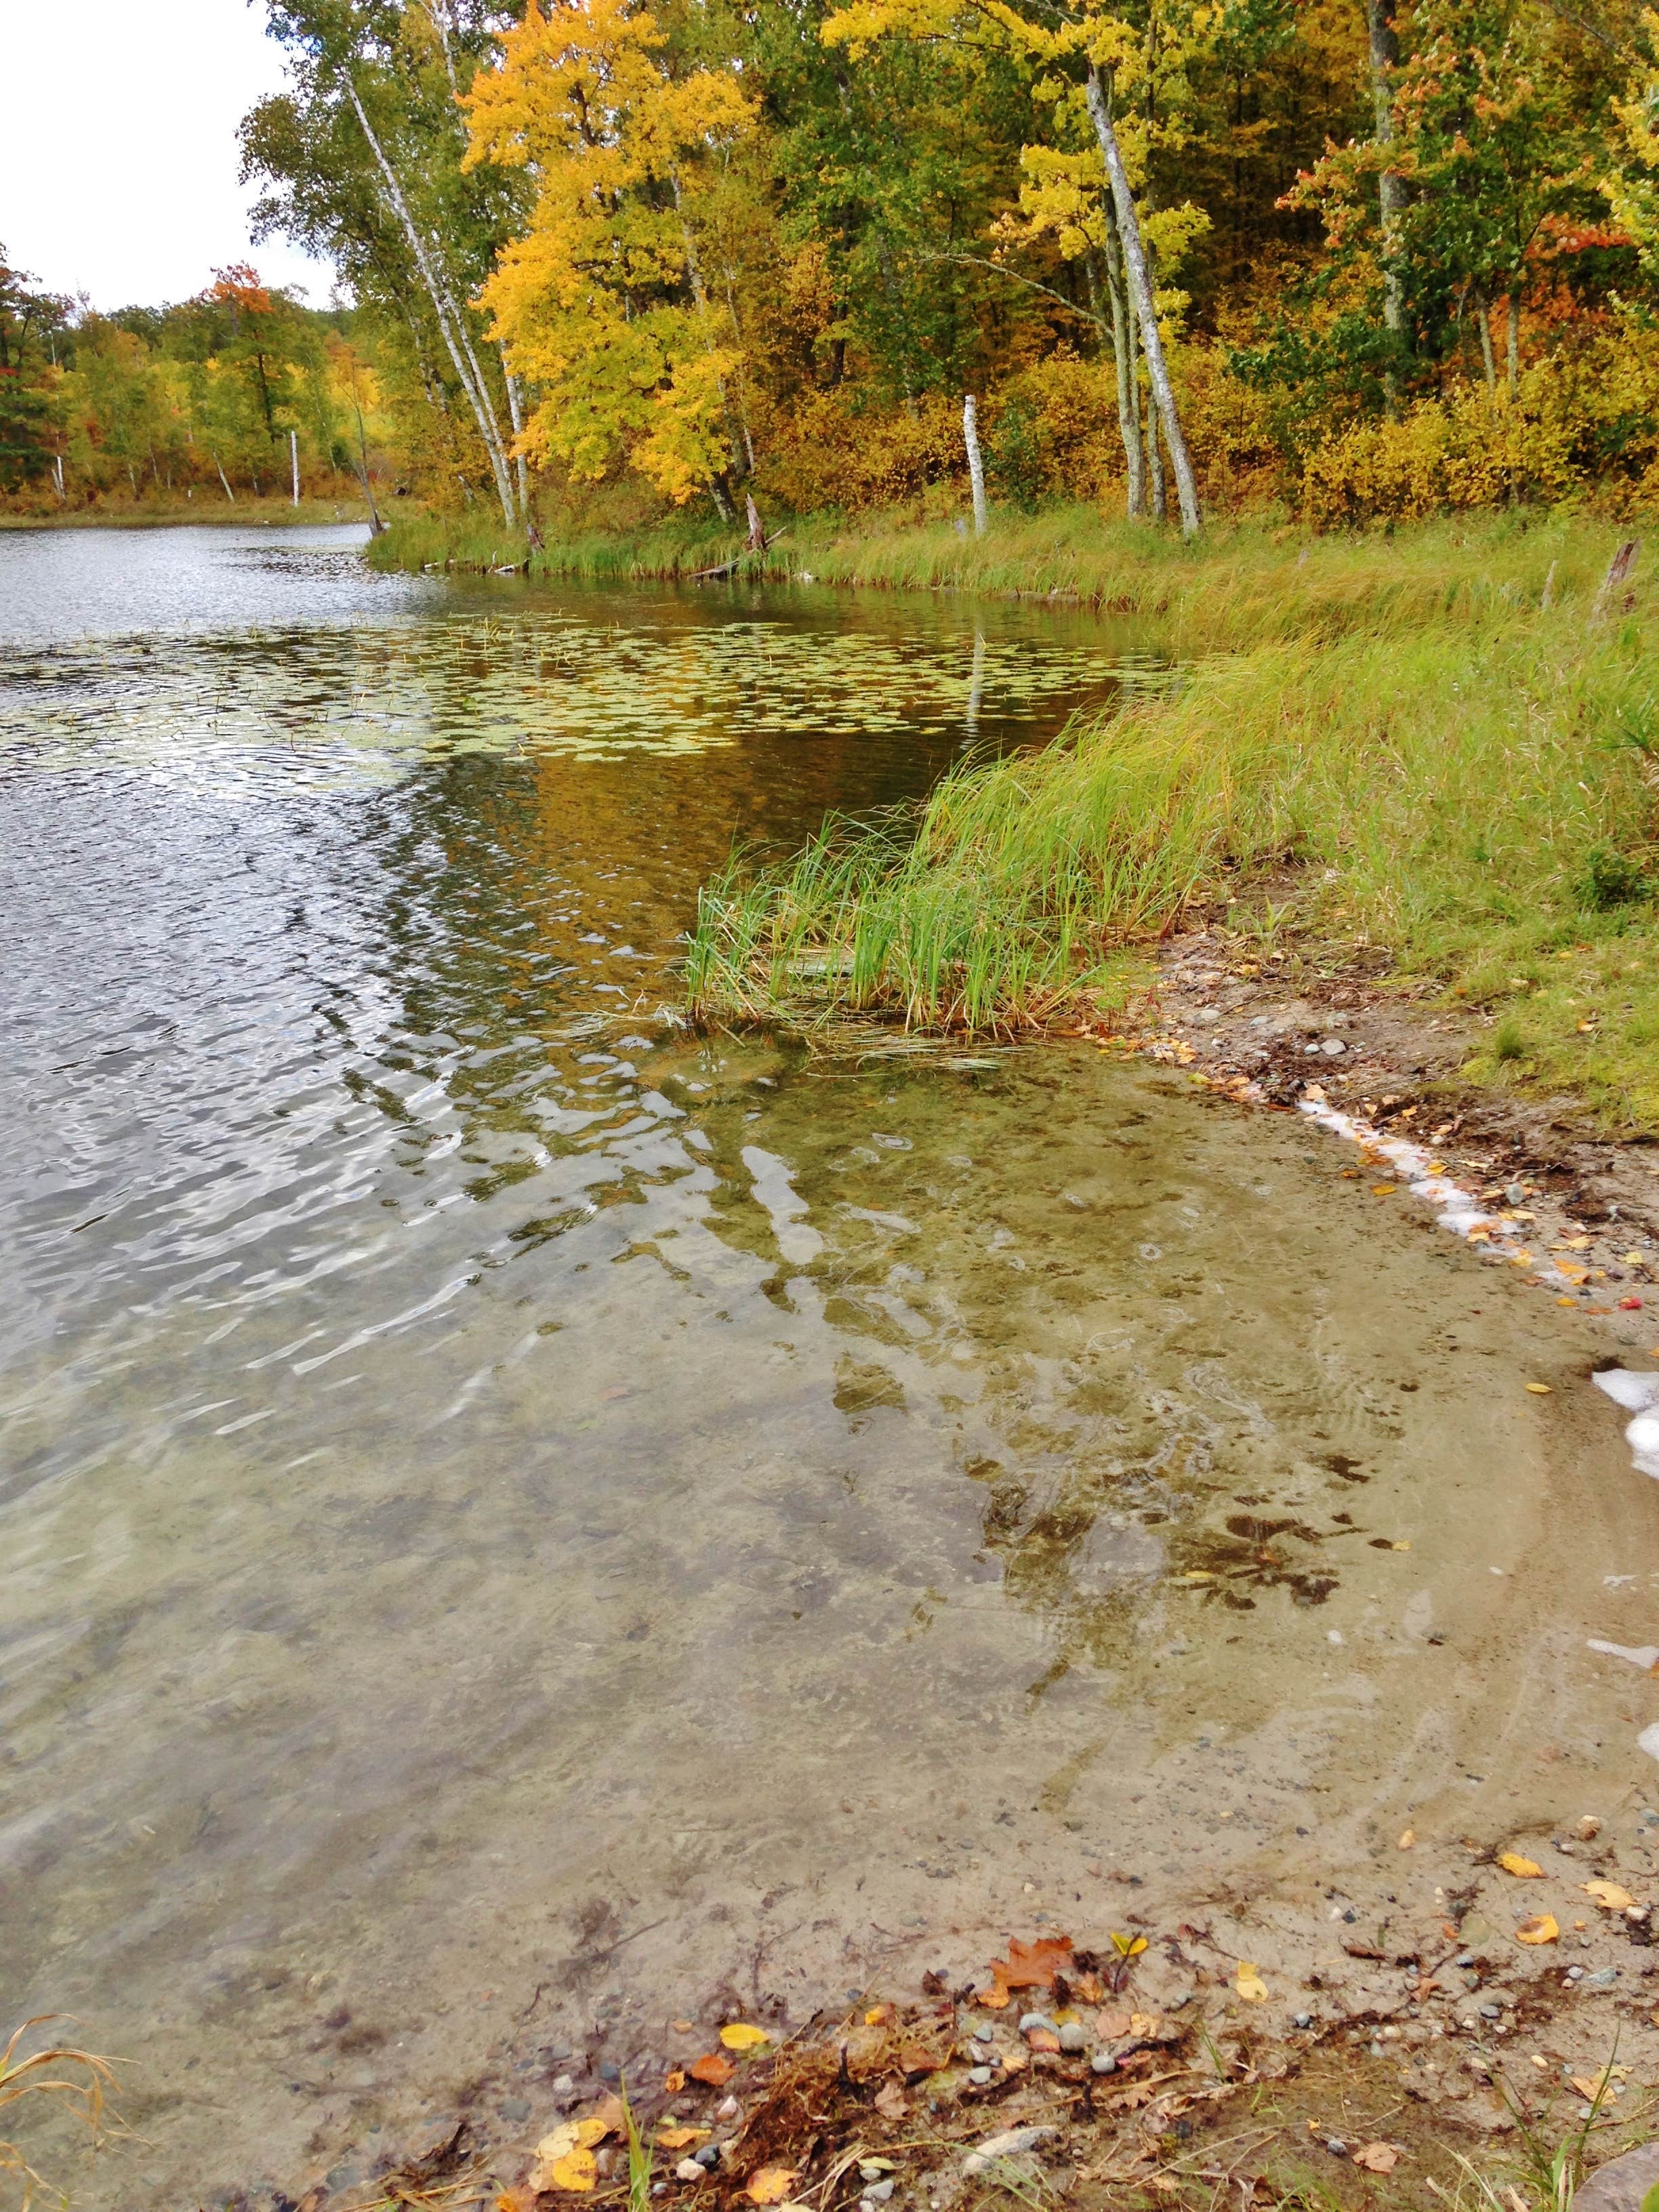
(515, 1518)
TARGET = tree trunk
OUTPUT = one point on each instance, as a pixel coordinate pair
(757, 528)
(1483, 316)
(1123, 351)
(515, 409)
(1515, 344)
(1141, 292)
(975, 463)
(450, 324)
(1390, 185)
(293, 462)
(225, 480)
(375, 525)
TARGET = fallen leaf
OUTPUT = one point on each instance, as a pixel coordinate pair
(575, 2171)
(1112, 2023)
(1540, 1390)
(609, 2116)
(681, 2138)
(770, 2184)
(1595, 2086)
(681, 2027)
(673, 2083)
(1376, 2157)
(918, 2058)
(1383, 1189)
(1028, 1967)
(1541, 1929)
(740, 2036)
(879, 2015)
(889, 2101)
(1042, 2038)
(1013, 2062)
(1128, 1947)
(1522, 1870)
(1251, 1987)
(515, 2200)
(712, 2068)
(1090, 1988)
(1148, 2027)
(1407, 1840)
(1608, 1895)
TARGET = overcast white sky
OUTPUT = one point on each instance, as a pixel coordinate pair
(118, 147)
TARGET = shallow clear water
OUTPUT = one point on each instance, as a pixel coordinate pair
(513, 1516)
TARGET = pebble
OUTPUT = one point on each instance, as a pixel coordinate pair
(979, 2074)
(1491, 2012)
(689, 2170)
(727, 2109)
(1073, 2038)
(1302, 2020)
(610, 2071)
(1176, 2003)
(1464, 1959)
(1575, 1973)
(878, 2192)
(1336, 2147)
(1028, 2020)
(1333, 1048)
(1102, 2063)
(1514, 1195)
(1603, 1980)
(1621, 2185)
(563, 2085)
(982, 2035)
(516, 2108)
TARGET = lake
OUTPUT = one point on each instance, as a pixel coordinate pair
(518, 1520)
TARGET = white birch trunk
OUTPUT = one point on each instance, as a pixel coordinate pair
(975, 463)
(1141, 291)
(450, 323)
(293, 462)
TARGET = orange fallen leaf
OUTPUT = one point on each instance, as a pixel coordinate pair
(673, 2083)
(1377, 2157)
(1522, 1870)
(712, 2068)
(564, 2158)
(609, 2116)
(1382, 1190)
(681, 2138)
(1250, 1986)
(1042, 2038)
(1541, 1929)
(575, 2171)
(740, 2036)
(515, 2200)
(1028, 1967)
(879, 2015)
(1608, 1895)
(770, 2185)
(918, 2058)
(1089, 1988)
(889, 2101)
(1013, 2062)
(681, 2027)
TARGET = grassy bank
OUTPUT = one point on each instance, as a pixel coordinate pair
(1420, 755)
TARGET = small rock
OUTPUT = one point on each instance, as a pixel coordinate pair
(609, 2071)
(689, 2170)
(1491, 2012)
(1333, 1048)
(516, 2108)
(982, 2035)
(1620, 2185)
(727, 2109)
(563, 2085)
(1575, 1973)
(1176, 2003)
(1464, 1959)
(1336, 2147)
(879, 2191)
(1031, 2020)
(1102, 2063)
(1603, 1980)
(1072, 2037)
(1516, 1194)
(979, 2076)
(342, 2176)
(1302, 2020)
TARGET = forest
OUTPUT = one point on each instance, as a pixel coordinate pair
(609, 261)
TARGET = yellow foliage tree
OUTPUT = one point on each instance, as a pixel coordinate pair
(603, 303)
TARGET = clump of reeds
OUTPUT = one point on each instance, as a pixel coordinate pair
(63, 2075)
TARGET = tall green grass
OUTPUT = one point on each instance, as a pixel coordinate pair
(1475, 789)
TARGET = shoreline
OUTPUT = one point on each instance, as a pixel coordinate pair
(309, 515)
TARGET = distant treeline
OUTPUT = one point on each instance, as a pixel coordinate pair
(221, 394)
